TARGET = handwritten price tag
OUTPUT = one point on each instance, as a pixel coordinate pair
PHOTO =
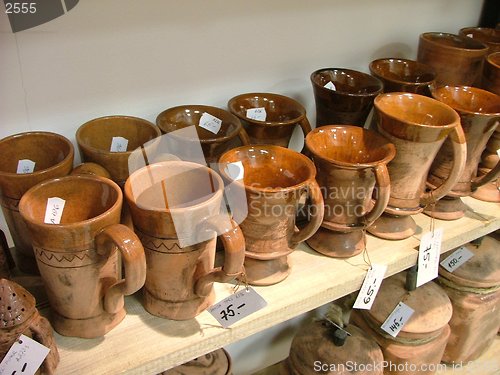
(209, 122)
(330, 86)
(370, 287)
(54, 210)
(397, 319)
(235, 170)
(119, 144)
(25, 166)
(428, 256)
(258, 114)
(237, 306)
(24, 357)
(456, 259)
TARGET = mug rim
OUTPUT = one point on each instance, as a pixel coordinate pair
(347, 70)
(482, 48)
(400, 81)
(477, 90)
(489, 59)
(489, 30)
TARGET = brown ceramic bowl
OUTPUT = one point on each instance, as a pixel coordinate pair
(404, 75)
(491, 73)
(490, 37)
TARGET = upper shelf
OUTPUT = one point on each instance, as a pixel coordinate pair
(145, 344)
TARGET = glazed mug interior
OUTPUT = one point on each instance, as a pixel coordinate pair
(348, 82)
(489, 36)
(453, 41)
(402, 72)
(468, 99)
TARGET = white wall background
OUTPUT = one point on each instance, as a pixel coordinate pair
(140, 57)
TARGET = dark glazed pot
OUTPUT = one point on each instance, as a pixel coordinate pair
(488, 36)
(491, 73)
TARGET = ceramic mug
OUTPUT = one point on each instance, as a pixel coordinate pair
(351, 162)
(79, 258)
(488, 36)
(349, 102)
(282, 115)
(417, 126)
(491, 73)
(274, 179)
(53, 157)
(174, 122)
(176, 210)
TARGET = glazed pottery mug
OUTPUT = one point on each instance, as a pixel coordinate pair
(404, 75)
(488, 36)
(78, 258)
(351, 162)
(280, 116)
(348, 101)
(52, 155)
(417, 126)
(479, 112)
(274, 179)
(176, 210)
(457, 60)
(491, 73)
(214, 141)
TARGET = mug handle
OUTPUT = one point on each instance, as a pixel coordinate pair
(234, 251)
(305, 125)
(459, 157)
(492, 175)
(316, 217)
(384, 192)
(243, 136)
(121, 237)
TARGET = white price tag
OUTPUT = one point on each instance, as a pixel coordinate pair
(456, 259)
(54, 210)
(397, 319)
(330, 86)
(25, 166)
(24, 357)
(235, 170)
(470, 35)
(258, 114)
(428, 256)
(370, 287)
(237, 306)
(498, 152)
(209, 122)
(119, 144)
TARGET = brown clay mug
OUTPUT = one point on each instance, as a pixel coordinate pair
(176, 210)
(491, 73)
(282, 115)
(274, 179)
(351, 162)
(457, 60)
(417, 126)
(486, 35)
(53, 157)
(177, 121)
(403, 75)
(479, 112)
(79, 258)
(350, 99)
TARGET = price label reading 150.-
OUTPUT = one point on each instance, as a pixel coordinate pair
(456, 259)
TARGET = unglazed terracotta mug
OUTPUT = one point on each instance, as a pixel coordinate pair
(351, 162)
(174, 122)
(79, 258)
(417, 126)
(457, 60)
(479, 112)
(274, 179)
(282, 115)
(403, 75)
(349, 102)
(176, 210)
(53, 157)
(488, 36)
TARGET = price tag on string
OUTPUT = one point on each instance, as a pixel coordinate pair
(428, 256)
(24, 357)
(498, 152)
(119, 144)
(456, 259)
(370, 287)
(470, 35)
(25, 166)
(397, 319)
(237, 306)
(54, 210)
(330, 85)
(235, 170)
(258, 114)
(209, 122)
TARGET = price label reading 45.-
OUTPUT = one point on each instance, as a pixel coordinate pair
(456, 259)
(397, 319)
(428, 256)
(237, 306)
(24, 357)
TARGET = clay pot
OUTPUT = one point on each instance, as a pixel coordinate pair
(474, 290)
(417, 126)
(6, 261)
(79, 258)
(175, 208)
(282, 115)
(274, 180)
(53, 157)
(488, 36)
(315, 345)
(217, 362)
(491, 73)
(182, 125)
(467, 54)
(350, 102)
(420, 344)
(20, 316)
(479, 112)
(404, 75)
(350, 161)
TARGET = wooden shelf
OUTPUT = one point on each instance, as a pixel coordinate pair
(144, 344)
